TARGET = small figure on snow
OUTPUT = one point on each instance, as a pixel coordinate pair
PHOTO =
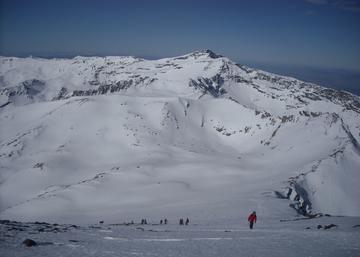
(181, 222)
(252, 219)
(161, 222)
(187, 221)
(165, 221)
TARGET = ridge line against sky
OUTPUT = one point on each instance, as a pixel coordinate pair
(300, 34)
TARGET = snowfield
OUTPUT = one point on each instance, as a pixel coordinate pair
(199, 136)
(269, 238)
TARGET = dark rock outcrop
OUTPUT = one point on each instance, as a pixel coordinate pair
(29, 242)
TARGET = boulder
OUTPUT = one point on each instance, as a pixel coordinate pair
(329, 226)
(28, 242)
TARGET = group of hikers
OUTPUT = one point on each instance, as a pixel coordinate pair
(165, 222)
(181, 221)
(251, 219)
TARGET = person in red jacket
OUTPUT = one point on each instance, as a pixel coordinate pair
(252, 219)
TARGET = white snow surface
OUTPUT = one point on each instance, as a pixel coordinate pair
(103, 138)
(269, 238)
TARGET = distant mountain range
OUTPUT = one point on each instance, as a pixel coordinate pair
(342, 79)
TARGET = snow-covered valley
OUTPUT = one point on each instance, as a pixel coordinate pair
(123, 138)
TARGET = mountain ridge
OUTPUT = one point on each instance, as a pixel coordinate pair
(105, 87)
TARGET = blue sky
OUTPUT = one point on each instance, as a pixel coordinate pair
(321, 34)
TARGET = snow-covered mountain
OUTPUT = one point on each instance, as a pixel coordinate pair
(94, 138)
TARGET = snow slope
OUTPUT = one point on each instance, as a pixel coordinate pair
(198, 135)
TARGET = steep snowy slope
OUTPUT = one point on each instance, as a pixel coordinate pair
(101, 138)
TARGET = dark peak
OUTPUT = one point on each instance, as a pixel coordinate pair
(211, 54)
(206, 52)
(196, 54)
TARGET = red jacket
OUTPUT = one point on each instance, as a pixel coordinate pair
(252, 218)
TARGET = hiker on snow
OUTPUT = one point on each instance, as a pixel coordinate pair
(252, 219)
